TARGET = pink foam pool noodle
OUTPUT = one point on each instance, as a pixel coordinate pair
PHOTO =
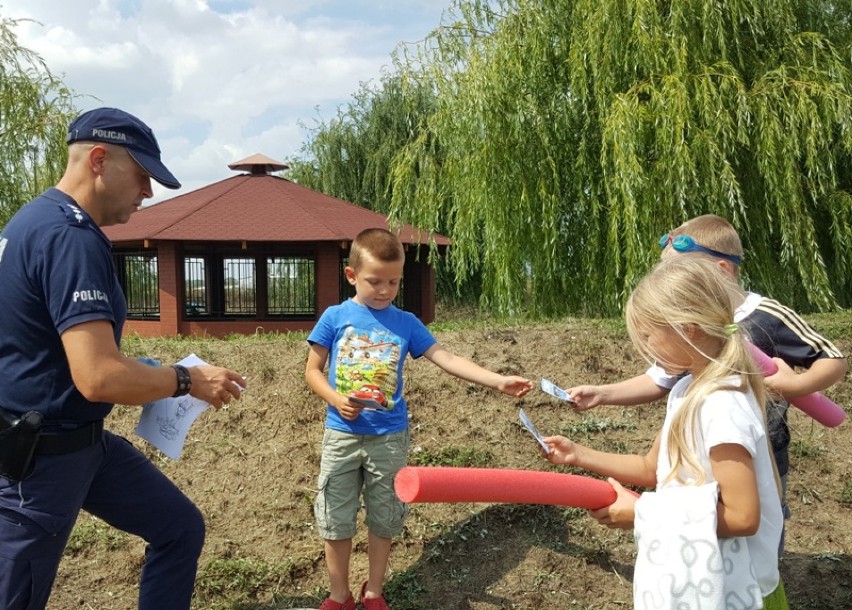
(440, 484)
(822, 409)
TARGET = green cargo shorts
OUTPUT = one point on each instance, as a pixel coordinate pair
(356, 463)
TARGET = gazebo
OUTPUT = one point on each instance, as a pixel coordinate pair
(252, 253)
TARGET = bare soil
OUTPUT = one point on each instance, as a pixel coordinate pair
(252, 470)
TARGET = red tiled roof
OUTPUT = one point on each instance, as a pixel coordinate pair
(256, 208)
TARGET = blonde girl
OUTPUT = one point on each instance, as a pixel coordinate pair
(680, 316)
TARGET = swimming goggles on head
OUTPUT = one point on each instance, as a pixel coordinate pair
(684, 243)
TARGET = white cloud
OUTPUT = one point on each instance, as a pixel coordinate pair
(219, 80)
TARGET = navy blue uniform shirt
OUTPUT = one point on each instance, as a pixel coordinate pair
(56, 271)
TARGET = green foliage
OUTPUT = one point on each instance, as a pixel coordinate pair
(562, 137)
(460, 457)
(35, 109)
(405, 591)
(94, 533)
(846, 494)
(807, 447)
(241, 579)
(590, 426)
(351, 156)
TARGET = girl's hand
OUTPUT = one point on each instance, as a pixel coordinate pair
(562, 450)
(514, 385)
(621, 513)
(585, 397)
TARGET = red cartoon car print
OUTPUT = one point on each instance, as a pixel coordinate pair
(370, 397)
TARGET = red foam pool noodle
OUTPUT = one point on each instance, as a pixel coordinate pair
(440, 484)
(822, 409)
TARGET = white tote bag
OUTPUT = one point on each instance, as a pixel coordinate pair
(680, 561)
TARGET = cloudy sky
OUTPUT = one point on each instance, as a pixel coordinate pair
(219, 80)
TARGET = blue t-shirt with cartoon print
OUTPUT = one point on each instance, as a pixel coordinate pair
(56, 270)
(367, 350)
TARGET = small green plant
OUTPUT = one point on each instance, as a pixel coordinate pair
(572, 513)
(466, 457)
(93, 532)
(588, 427)
(404, 591)
(806, 448)
(242, 579)
(846, 494)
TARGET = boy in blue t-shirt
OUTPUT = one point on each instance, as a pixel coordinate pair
(365, 341)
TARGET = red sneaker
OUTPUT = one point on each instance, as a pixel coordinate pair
(330, 604)
(372, 603)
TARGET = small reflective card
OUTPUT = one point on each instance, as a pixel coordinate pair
(529, 426)
(367, 403)
(551, 388)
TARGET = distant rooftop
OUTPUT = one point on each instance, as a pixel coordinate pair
(257, 206)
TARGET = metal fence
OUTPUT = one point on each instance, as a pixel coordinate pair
(268, 286)
(223, 284)
(291, 285)
(138, 275)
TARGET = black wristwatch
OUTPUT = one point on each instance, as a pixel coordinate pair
(184, 381)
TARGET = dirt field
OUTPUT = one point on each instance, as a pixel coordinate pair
(252, 470)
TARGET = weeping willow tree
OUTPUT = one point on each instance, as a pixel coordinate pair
(350, 157)
(568, 135)
(35, 109)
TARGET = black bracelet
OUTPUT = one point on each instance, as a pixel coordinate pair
(184, 381)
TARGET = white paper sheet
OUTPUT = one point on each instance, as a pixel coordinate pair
(165, 423)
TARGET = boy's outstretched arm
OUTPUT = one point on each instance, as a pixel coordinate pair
(470, 371)
(315, 376)
(635, 391)
(823, 373)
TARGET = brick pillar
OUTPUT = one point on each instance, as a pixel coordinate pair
(171, 287)
(427, 291)
(328, 276)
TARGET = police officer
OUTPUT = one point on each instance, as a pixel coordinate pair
(62, 317)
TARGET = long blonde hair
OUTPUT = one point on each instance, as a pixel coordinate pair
(693, 297)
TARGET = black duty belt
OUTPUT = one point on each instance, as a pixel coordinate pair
(68, 441)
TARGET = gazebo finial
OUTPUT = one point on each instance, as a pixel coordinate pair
(258, 165)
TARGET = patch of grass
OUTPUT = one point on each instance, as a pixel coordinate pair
(590, 426)
(95, 533)
(262, 336)
(806, 448)
(404, 591)
(846, 494)
(242, 579)
(572, 513)
(833, 325)
(466, 457)
(616, 446)
(268, 373)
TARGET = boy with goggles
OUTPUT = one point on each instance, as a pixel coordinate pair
(685, 243)
(774, 328)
